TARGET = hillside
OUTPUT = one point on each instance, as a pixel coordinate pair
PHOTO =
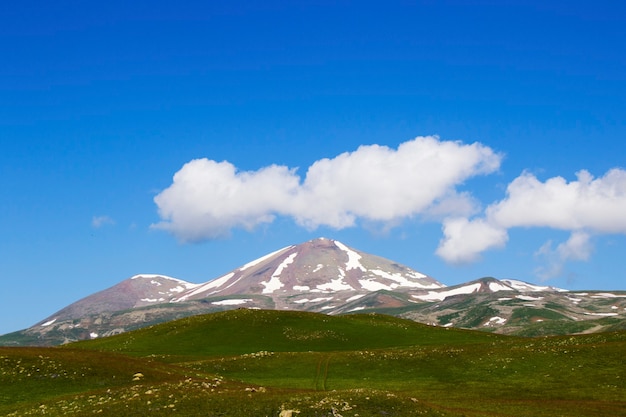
(242, 331)
(274, 363)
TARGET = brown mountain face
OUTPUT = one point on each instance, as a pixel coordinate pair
(319, 275)
(317, 268)
(320, 268)
(138, 291)
(324, 275)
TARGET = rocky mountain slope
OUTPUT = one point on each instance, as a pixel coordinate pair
(324, 275)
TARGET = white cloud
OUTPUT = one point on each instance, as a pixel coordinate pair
(100, 221)
(576, 248)
(382, 184)
(374, 183)
(465, 240)
(207, 198)
(587, 203)
(584, 206)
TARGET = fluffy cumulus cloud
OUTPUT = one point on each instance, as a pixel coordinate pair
(597, 204)
(465, 240)
(374, 183)
(382, 184)
(585, 206)
(207, 198)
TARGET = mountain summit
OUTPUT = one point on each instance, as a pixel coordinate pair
(324, 275)
(301, 276)
(320, 266)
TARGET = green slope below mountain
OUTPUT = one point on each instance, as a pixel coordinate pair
(270, 363)
(244, 331)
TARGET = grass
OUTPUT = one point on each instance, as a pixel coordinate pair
(243, 331)
(262, 363)
(30, 375)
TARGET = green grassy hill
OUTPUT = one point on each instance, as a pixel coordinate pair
(264, 363)
(243, 331)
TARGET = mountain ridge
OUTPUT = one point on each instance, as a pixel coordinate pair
(324, 275)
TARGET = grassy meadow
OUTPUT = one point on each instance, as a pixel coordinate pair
(270, 363)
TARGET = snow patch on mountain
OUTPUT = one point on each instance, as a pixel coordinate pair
(153, 277)
(522, 286)
(355, 297)
(495, 321)
(528, 298)
(401, 280)
(353, 257)
(496, 286)
(207, 286)
(335, 285)
(274, 282)
(263, 258)
(373, 285)
(153, 300)
(48, 323)
(441, 295)
(607, 295)
(315, 300)
(232, 302)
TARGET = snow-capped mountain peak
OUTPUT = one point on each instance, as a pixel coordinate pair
(324, 275)
(317, 266)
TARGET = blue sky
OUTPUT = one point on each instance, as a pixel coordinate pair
(461, 138)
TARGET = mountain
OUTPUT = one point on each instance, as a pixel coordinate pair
(324, 275)
(324, 269)
(519, 308)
